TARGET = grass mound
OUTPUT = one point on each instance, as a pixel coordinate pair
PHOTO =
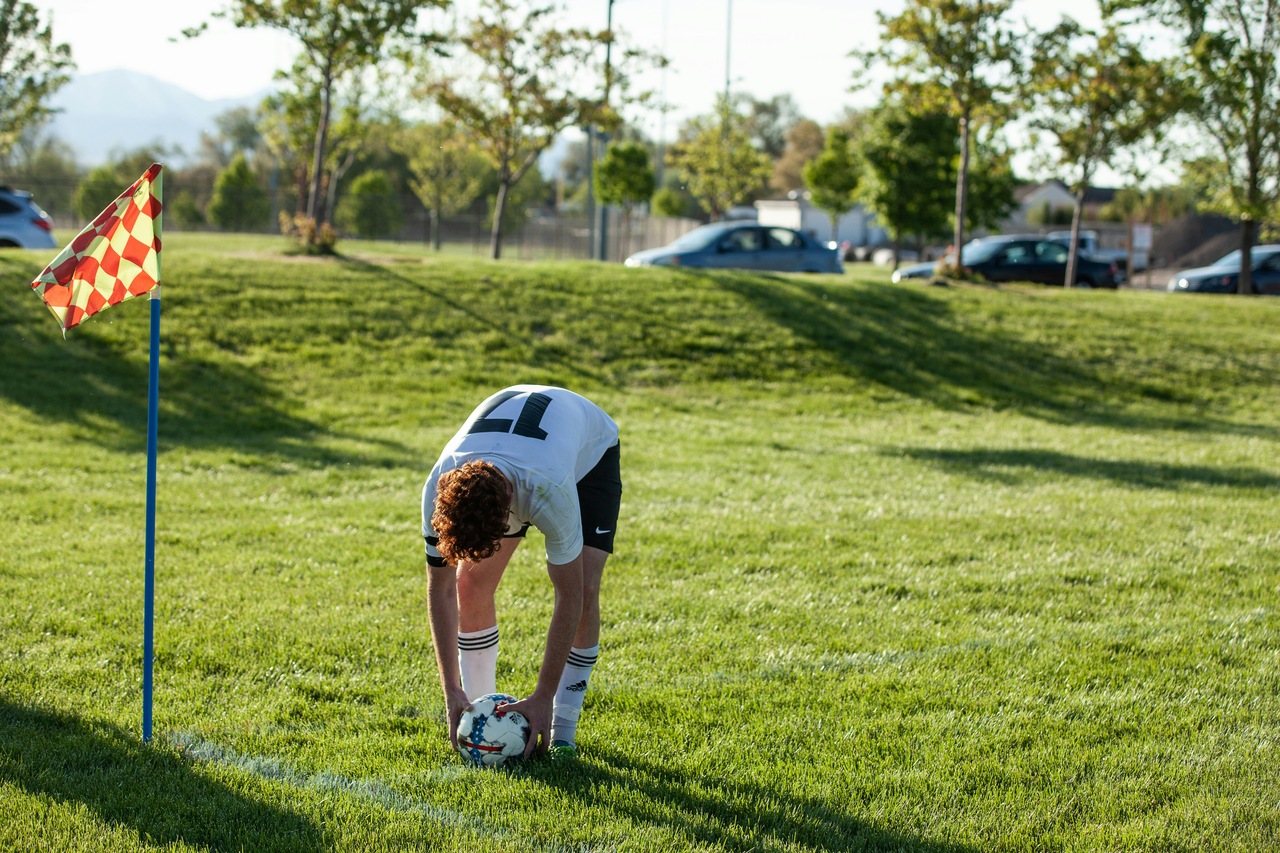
(941, 569)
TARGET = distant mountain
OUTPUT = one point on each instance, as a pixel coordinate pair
(124, 110)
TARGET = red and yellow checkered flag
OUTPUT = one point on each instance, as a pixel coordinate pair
(116, 257)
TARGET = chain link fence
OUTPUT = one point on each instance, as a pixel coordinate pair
(542, 234)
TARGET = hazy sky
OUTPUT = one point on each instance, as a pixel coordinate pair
(774, 47)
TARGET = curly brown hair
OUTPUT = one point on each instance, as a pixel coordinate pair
(472, 502)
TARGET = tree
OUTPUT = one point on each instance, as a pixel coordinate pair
(804, 142)
(96, 191)
(624, 177)
(767, 123)
(670, 201)
(1233, 49)
(832, 177)
(238, 203)
(371, 208)
(908, 159)
(32, 68)
(719, 165)
(446, 169)
(339, 38)
(992, 181)
(521, 90)
(1097, 94)
(104, 183)
(958, 55)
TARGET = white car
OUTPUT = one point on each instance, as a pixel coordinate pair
(23, 225)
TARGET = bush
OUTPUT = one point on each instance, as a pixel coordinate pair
(370, 209)
(238, 203)
(311, 240)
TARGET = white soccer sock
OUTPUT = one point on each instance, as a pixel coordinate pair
(570, 693)
(478, 660)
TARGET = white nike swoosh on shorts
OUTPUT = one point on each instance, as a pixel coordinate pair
(601, 532)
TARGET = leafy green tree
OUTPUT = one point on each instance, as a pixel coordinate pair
(239, 203)
(718, 164)
(908, 159)
(32, 68)
(98, 189)
(992, 181)
(1233, 50)
(1096, 94)
(182, 211)
(624, 177)
(447, 170)
(958, 55)
(832, 178)
(532, 193)
(105, 183)
(767, 123)
(371, 207)
(521, 89)
(669, 201)
(339, 38)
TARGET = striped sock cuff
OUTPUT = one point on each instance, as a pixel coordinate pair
(473, 641)
(584, 658)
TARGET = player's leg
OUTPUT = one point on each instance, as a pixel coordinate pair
(572, 689)
(600, 496)
(478, 619)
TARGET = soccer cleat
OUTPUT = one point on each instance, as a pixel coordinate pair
(562, 750)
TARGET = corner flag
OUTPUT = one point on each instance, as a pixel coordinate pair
(117, 257)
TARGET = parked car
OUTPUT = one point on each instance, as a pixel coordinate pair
(1030, 257)
(1223, 275)
(1091, 242)
(743, 245)
(23, 224)
(925, 270)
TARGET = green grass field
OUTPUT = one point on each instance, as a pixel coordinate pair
(899, 568)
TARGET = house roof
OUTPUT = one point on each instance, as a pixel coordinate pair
(1092, 195)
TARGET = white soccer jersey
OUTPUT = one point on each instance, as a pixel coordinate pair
(543, 440)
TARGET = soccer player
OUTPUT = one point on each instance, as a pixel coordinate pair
(528, 455)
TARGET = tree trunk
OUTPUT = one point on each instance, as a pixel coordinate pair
(331, 186)
(1073, 247)
(962, 187)
(499, 207)
(435, 221)
(1248, 230)
(314, 211)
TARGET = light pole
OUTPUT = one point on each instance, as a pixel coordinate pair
(602, 210)
(728, 42)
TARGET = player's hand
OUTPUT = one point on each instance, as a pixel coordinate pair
(537, 710)
(455, 702)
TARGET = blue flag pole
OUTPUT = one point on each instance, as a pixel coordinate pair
(149, 591)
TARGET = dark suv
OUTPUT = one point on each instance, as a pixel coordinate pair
(23, 224)
(1030, 257)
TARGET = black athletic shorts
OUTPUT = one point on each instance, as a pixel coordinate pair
(599, 498)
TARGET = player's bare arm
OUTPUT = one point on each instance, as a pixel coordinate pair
(442, 609)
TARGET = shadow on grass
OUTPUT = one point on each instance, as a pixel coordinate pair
(137, 788)
(725, 811)
(94, 381)
(911, 342)
(1016, 466)
(441, 298)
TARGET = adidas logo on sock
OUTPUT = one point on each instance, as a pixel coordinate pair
(579, 687)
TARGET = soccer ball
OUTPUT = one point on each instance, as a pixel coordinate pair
(490, 737)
